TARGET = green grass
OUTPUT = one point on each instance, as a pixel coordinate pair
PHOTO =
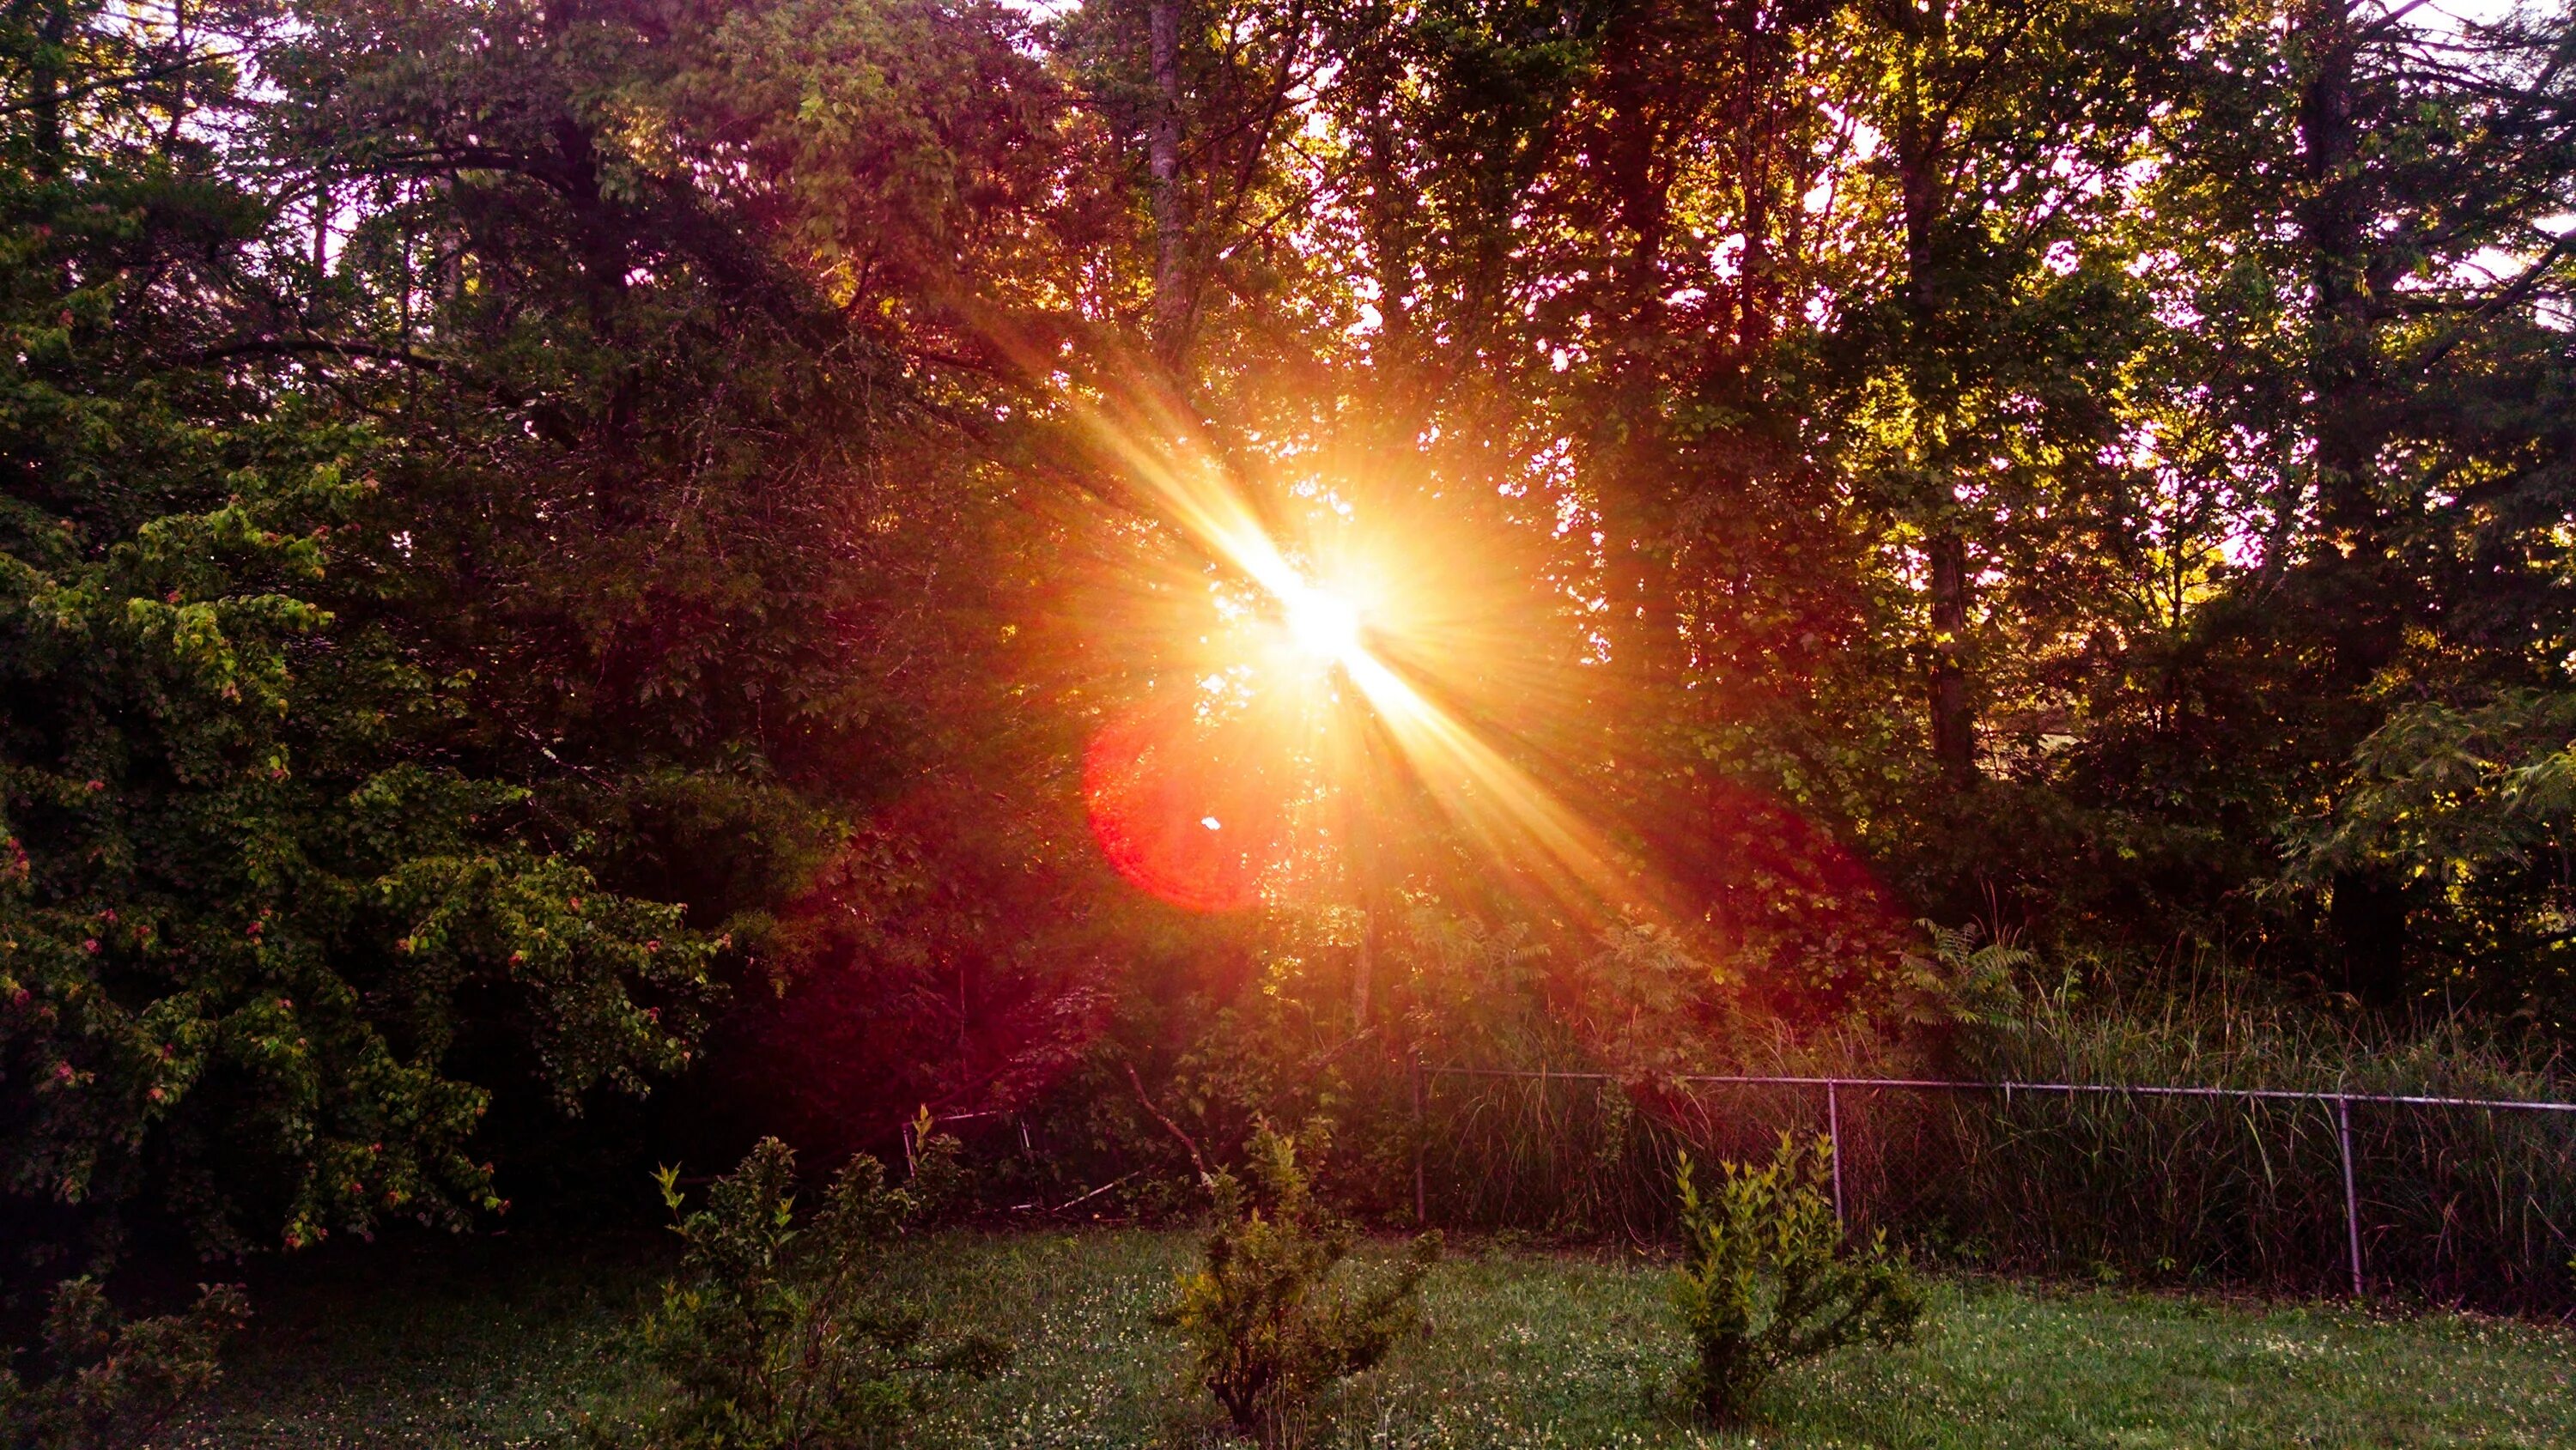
(494, 1348)
(484, 1342)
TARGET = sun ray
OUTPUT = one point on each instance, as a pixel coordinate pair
(1343, 628)
(1502, 805)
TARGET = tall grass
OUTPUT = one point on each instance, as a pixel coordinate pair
(2456, 1205)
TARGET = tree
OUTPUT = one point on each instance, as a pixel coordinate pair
(257, 906)
(2393, 176)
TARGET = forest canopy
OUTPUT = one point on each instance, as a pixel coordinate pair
(844, 555)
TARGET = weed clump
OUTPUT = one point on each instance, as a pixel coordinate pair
(108, 1382)
(1767, 1281)
(1267, 1323)
(776, 1334)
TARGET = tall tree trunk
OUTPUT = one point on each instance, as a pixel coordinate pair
(1954, 724)
(1919, 160)
(2367, 920)
(1163, 164)
(2334, 224)
(46, 105)
(1757, 292)
(1635, 468)
(2356, 584)
(1763, 116)
(1388, 218)
(1390, 241)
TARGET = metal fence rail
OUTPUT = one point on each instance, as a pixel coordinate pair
(2342, 1103)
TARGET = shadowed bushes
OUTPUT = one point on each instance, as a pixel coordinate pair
(100, 1381)
(778, 1331)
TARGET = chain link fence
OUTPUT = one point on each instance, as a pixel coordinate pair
(2457, 1199)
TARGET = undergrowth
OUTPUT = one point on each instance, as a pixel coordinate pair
(780, 1333)
(2466, 1206)
(1766, 1280)
(1268, 1319)
(1522, 1350)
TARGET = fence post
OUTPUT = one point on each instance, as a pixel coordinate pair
(2351, 1202)
(1421, 1141)
(1834, 1140)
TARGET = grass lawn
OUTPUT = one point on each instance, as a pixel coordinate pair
(490, 1345)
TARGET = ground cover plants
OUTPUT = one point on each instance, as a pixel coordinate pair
(484, 1345)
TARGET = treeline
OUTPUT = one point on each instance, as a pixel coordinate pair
(554, 547)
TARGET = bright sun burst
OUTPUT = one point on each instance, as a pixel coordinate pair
(1151, 785)
(1323, 624)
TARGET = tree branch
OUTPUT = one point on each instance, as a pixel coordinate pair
(1196, 1157)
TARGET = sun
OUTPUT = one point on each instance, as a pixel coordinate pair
(1324, 626)
(1332, 641)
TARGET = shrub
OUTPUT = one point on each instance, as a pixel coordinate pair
(1266, 1322)
(1767, 1281)
(108, 1382)
(781, 1335)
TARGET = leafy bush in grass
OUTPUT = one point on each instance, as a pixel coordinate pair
(104, 1382)
(777, 1334)
(1767, 1281)
(1268, 1324)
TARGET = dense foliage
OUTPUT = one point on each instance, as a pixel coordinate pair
(102, 1382)
(266, 896)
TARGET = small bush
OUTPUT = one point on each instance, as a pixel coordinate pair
(107, 1382)
(1767, 1281)
(1266, 1324)
(780, 1335)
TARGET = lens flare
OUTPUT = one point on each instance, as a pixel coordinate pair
(1183, 812)
(1363, 663)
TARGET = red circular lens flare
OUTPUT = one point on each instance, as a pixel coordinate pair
(1183, 809)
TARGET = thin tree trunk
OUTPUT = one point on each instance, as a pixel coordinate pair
(1163, 163)
(47, 103)
(1919, 162)
(1954, 724)
(179, 83)
(1363, 969)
